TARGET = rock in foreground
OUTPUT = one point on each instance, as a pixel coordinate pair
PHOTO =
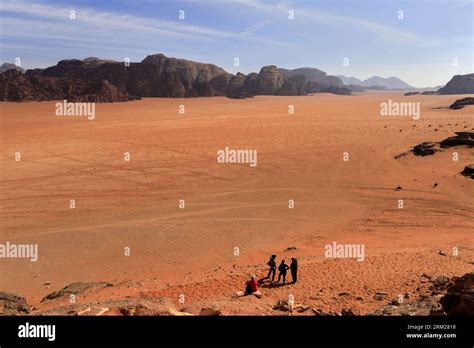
(75, 288)
(459, 299)
(11, 304)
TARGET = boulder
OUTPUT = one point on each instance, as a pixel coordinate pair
(468, 171)
(348, 312)
(11, 304)
(320, 313)
(424, 149)
(466, 138)
(210, 312)
(160, 307)
(460, 103)
(440, 281)
(75, 288)
(459, 299)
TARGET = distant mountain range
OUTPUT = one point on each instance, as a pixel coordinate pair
(99, 80)
(388, 83)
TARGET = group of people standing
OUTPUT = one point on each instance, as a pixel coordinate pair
(282, 269)
(251, 286)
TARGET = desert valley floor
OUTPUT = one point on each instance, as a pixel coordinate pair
(191, 251)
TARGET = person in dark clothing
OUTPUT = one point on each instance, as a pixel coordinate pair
(294, 269)
(273, 266)
(282, 269)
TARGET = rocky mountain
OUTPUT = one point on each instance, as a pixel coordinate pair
(16, 86)
(459, 84)
(159, 76)
(389, 83)
(155, 76)
(274, 81)
(316, 76)
(8, 66)
(349, 80)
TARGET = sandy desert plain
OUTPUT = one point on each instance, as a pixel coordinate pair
(191, 251)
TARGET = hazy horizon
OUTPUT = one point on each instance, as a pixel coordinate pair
(425, 45)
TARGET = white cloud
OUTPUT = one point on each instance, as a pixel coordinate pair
(91, 22)
(281, 9)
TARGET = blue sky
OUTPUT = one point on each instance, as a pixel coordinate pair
(420, 48)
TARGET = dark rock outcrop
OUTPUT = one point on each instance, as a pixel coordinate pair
(11, 304)
(459, 84)
(459, 299)
(468, 171)
(460, 103)
(424, 149)
(16, 86)
(430, 148)
(461, 138)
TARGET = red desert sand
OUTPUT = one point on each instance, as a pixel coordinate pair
(190, 254)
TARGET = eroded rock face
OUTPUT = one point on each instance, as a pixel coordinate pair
(236, 88)
(11, 304)
(459, 84)
(98, 80)
(219, 83)
(295, 85)
(156, 76)
(270, 80)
